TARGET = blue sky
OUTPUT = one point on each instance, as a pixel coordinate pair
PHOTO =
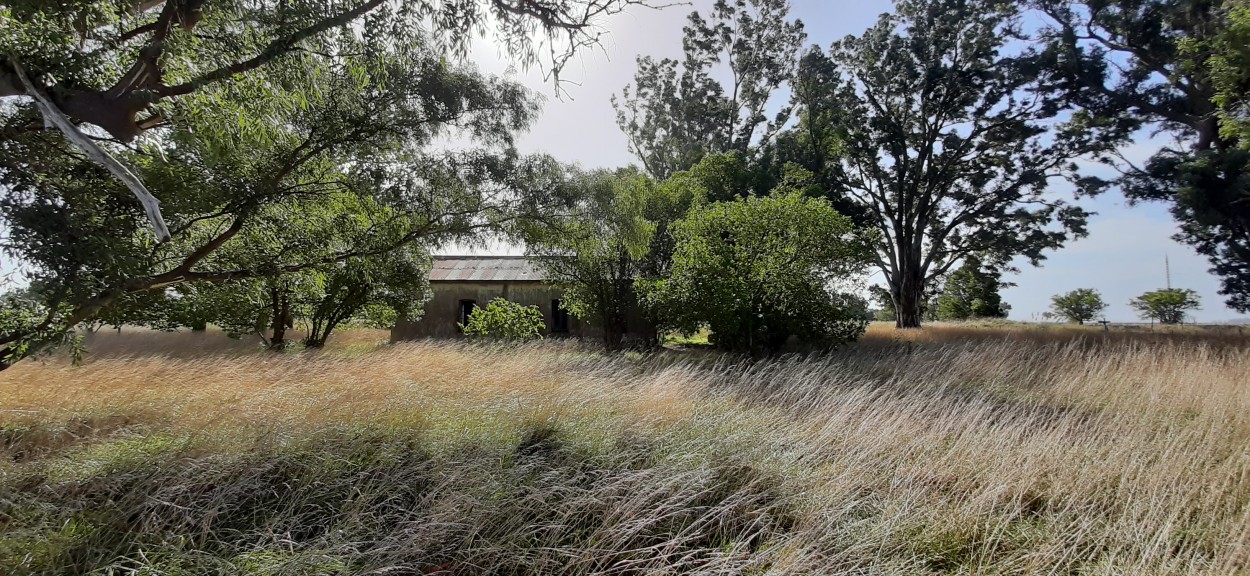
(1122, 257)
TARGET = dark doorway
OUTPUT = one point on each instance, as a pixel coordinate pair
(466, 309)
(559, 317)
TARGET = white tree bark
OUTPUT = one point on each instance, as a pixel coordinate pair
(55, 118)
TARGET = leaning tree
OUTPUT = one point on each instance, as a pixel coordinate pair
(940, 135)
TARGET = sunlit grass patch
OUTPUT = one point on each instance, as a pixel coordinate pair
(996, 454)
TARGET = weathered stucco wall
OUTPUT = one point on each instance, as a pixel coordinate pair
(442, 312)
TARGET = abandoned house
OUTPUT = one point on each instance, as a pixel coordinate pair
(459, 284)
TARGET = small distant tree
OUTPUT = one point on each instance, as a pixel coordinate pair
(760, 270)
(1167, 306)
(506, 321)
(971, 292)
(1080, 305)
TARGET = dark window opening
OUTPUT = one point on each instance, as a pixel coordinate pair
(559, 317)
(466, 309)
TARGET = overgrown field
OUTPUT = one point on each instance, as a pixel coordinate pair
(966, 451)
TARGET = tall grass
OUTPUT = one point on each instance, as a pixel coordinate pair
(944, 453)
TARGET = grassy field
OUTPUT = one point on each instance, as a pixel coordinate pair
(956, 450)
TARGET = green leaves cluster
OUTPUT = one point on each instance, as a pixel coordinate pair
(929, 128)
(971, 292)
(760, 270)
(617, 230)
(1166, 306)
(305, 187)
(1080, 305)
(505, 321)
(1182, 67)
(677, 112)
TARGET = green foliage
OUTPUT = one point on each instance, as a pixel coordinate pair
(117, 64)
(760, 270)
(505, 321)
(279, 137)
(1209, 193)
(1167, 306)
(616, 231)
(378, 289)
(677, 112)
(1179, 67)
(1228, 64)
(921, 123)
(328, 167)
(885, 304)
(971, 292)
(1080, 305)
(595, 251)
(19, 311)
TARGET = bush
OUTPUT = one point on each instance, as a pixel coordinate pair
(507, 321)
(761, 271)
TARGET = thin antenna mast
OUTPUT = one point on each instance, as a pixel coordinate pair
(1167, 270)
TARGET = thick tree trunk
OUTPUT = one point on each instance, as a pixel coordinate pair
(907, 290)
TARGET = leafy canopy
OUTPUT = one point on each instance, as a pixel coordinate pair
(615, 231)
(1167, 306)
(971, 292)
(1181, 67)
(1080, 305)
(675, 112)
(333, 167)
(939, 135)
(759, 270)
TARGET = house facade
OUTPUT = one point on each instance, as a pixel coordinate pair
(460, 284)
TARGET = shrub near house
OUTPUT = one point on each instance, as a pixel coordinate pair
(506, 321)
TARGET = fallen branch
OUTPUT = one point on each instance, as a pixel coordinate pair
(54, 117)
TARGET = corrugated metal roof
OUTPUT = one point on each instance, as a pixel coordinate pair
(483, 269)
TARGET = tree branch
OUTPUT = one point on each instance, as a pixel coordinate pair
(53, 116)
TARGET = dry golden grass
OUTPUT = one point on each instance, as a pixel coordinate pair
(956, 450)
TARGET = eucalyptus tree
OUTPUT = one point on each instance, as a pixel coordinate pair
(675, 112)
(1180, 67)
(942, 139)
(125, 67)
(329, 163)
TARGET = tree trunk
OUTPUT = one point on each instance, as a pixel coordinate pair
(613, 329)
(613, 334)
(908, 295)
(281, 318)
